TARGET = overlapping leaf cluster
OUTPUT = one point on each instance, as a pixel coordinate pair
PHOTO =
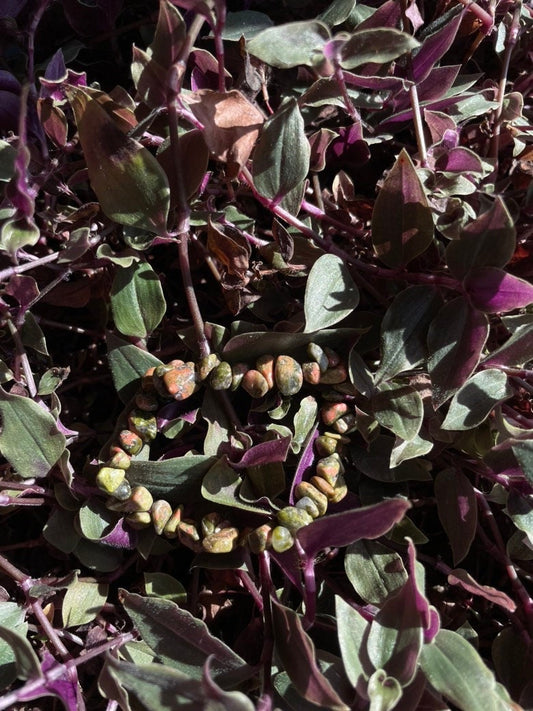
(357, 176)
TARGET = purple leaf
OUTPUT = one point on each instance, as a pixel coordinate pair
(349, 149)
(493, 291)
(387, 15)
(24, 289)
(297, 653)
(304, 465)
(438, 82)
(65, 686)
(438, 124)
(274, 450)
(466, 581)
(455, 340)
(122, 536)
(204, 72)
(433, 48)
(349, 526)
(459, 160)
(11, 8)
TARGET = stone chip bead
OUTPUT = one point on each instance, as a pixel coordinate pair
(171, 526)
(223, 541)
(140, 500)
(109, 479)
(331, 412)
(238, 371)
(123, 491)
(306, 490)
(307, 504)
(144, 424)
(311, 373)
(288, 375)
(260, 538)
(180, 382)
(206, 365)
(325, 445)
(118, 459)
(221, 376)
(329, 468)
(160, 511)
(139, 519)
(334, 376)
(211, 523)
(255, 384)
(316, 353)
(189, 536)
(130, 442)
(293, 518)
(265, 365)
(281, 539)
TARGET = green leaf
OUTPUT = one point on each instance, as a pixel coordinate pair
(96, 520)
(352, 629)
(457, 509)
(290, 45)
(377, 45)
(330, 293)
(154, 687)
(178, 480)
(337, 12)
(399, 408)
(129, 183)
(374, 570)
(100, 558)
(221, 485)
(374, 461)
(16, 234)
(180, 640)
(60, 531)
(297, 654)
(83, 601)
(12, 617)
(454, 669)
(516, 351)
(402, 222)
(7, 161)
(404, 330)
(304, 421)
(281, 157)
(164, 586)
(137, 300)
(27, 662)
(29, 438)
(474, 401)
(128, 364)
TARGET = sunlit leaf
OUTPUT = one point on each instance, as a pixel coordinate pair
(290, 44)
(137, 300)
(330, 293)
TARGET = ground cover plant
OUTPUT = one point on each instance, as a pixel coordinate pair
(266, 355)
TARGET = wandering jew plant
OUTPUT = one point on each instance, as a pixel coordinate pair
(266, 355)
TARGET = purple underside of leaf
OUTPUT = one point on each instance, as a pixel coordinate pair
(492, 290)
(122, 536)
(460, 160)
(349, 526)
(439, 81)
(433, 48)
(264, 453)
(305, 463)
(464, 580)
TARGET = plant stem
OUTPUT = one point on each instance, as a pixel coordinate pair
(23, 356)
(10, 271)
(268, 633)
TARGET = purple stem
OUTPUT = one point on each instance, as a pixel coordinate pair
(309, 587)
(267, 591)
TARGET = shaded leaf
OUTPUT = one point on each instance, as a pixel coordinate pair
(375, 462)
(180, 640)
(475, 400)
(29, 439)
(302, 667)
(83, 601)
(330, 293)
(488, 241)
(433, 48)
(137, 300)
(27, 662)
(492, 290)
(290, 44)
(159, 688)
(281, 158)
(457, 509)
(455, 340)
(178, 480)
(516, 351)
(128, 364)
(164, 586)
(221, 485)
(128, 181)
(374, 570)
(379, 45)
(402, 223)
(399, 408)
(404, 330)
